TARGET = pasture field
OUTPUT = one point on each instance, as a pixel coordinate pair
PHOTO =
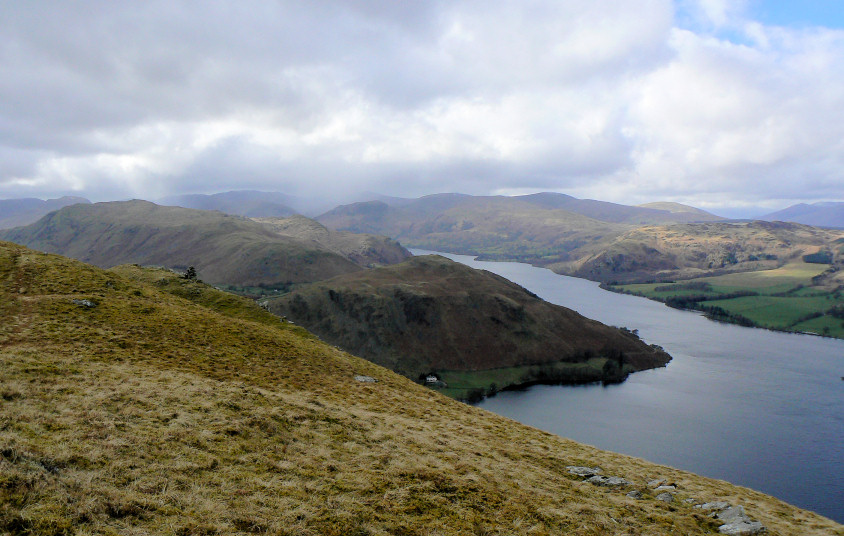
(782, 299)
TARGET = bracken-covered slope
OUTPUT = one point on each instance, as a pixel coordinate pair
(133, 402)
(432, 314)
(227, 250)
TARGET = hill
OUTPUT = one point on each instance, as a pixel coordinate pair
(826, 214)
(685, 251)
(539, 228)
(433, 315)
(135, 402)
(17, 212)
(679, 208)
(226, 250)
(366, 250)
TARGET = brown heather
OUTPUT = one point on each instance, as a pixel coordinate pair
(171, 408)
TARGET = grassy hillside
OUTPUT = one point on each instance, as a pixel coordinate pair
(476, 330)
(135, 403)
(684, 251)
(493, 227)
(365, 250)
(226, 250)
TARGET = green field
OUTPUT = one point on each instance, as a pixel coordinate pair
(781, 299)
(474, 385)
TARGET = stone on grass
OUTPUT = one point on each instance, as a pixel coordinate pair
(635, 494)
(717, 505)
(742, 528)
(665, 497)
(609, 481)
(583, 471)
(366, 379)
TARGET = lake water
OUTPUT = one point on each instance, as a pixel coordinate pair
(758, 408)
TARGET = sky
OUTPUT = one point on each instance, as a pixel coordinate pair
(735, 106)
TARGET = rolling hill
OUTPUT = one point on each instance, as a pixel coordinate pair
(430, 314)
(17, 212)
(135, 402)
(540, 228)
(226, 250)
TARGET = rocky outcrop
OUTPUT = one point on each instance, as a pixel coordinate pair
(732, 520)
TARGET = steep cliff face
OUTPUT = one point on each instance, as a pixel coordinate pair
(430, 313)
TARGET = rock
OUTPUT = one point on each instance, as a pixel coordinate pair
(583, 471)
(742, 528)
(690, 500)
(635, 494)
(666, 488)
(656, 482)
(665, 497)
(718, 505)
(609, 481)
(734, 513)
(85, 303)
(366, 379)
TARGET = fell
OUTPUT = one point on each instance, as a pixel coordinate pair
(133, 403)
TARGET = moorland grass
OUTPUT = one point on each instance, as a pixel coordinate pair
(147, 412)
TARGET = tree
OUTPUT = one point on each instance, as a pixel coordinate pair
(190, 274)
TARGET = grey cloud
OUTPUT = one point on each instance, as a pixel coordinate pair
(408, 98)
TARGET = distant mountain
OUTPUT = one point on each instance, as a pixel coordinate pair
(432, 314)
(496, 227)
(540, 228)
(17, 212)
(825, 214)
(679, 208)
(226, 250)
(249, 203)
(615, 213)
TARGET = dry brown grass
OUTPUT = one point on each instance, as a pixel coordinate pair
(153, 414)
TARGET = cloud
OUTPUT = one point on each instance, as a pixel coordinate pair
(595, 98)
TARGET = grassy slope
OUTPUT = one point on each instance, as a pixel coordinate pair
(152, 413)
(365, 250)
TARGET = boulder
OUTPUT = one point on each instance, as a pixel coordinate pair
(742, 528)
(609, 481)
(665, 497)
(583, 471)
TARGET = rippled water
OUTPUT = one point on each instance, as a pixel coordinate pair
(759, 408)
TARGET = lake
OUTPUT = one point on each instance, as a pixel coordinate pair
(758, 408)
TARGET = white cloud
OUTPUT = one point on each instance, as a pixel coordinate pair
(596, 98)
